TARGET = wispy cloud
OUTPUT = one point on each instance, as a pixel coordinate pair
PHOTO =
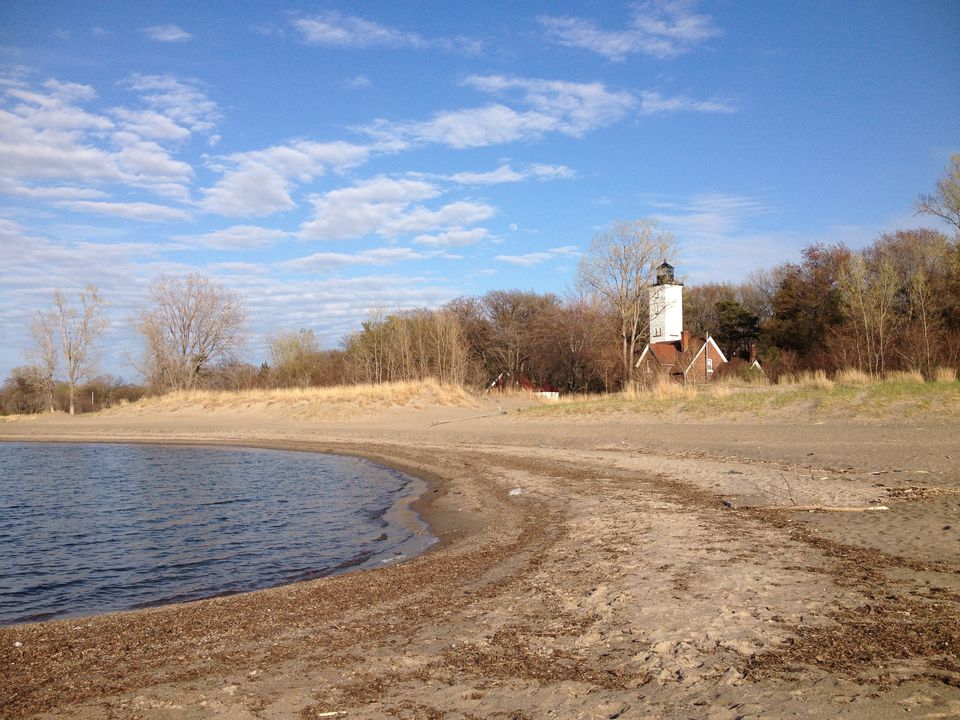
(454, 238)
(167, 33)
(333, 29)
(259, 182)
(237, 237)
(319, 262)
(150, 124)
(536, 258)
(34, 265)
(141, 211)
(357, 82)
(54, 145)
(181, 100)
(573, 108)
(545, 106)
(707, 216)
(49, 192)
(653, 103)
(661, 29)
(389, 208)
(507, 174)
(717, 234)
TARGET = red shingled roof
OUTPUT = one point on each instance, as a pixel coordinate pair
(665, 352)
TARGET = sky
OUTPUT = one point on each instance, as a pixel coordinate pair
(329, 159)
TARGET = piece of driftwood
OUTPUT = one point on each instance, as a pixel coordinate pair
(814, 508)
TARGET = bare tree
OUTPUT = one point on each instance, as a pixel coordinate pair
(920, 260)
(409, 345)
(945, 202)
(294, 356)
(75, 331)
(516, 321)
(622, 260)
(868, 296)
(189, 324)
(44, 353)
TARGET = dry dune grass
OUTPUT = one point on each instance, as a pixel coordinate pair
(813, 378)
(808, 395)
(905, 376)
(337, 400)
(945, 375)
(851, 376)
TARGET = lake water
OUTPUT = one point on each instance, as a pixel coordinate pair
(90, 528)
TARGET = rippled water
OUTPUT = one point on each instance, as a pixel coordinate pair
(88, 528)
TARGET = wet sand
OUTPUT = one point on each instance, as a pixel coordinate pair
(596, 568)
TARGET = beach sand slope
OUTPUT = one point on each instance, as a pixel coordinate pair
(618, 567)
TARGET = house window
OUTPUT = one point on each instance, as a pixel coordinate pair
(656, 331)
(709, 365)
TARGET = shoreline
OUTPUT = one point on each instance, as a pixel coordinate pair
(413, 510)
(587, 568)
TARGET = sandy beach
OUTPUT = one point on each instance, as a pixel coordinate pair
(612, 566)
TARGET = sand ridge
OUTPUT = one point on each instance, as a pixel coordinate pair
(613, 568)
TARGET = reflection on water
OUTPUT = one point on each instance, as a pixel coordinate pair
(87, 528)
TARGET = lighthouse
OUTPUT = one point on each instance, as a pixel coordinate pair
(666, 307)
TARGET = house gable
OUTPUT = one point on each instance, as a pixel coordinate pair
(706, 361)
(698, 363)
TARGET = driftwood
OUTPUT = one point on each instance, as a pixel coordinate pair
(806, 508)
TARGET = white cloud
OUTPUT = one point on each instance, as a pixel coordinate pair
(150, 124)
(49, 192)
(184, 102)
(576, 108)
(34, 264)
(142, 211)
(237, 237)
(707, 216)
(333, 306)
(358, 82)
(364, 208)
(711, 233)
(260, 182)
(333, 29)
(167, 33)
(536, 258)
(454, 238)
(69, 91)
(549, 106)
(653, 103)
(385, 206)
(452, 215)
(319, 262)
(54, 109)
(477, 127)
(507, 174)
(145, 161)
(551, 172)
(503, 174)
(662, 29)
(47, 135)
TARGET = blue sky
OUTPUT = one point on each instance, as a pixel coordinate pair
(326, 159)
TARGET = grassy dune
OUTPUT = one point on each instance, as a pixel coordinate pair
(809, 395)
(313, 402)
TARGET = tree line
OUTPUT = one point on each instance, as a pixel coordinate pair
(894, 305)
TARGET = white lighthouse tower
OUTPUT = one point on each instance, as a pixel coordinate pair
(666, 307)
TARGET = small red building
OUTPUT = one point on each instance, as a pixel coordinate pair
(687, 360)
